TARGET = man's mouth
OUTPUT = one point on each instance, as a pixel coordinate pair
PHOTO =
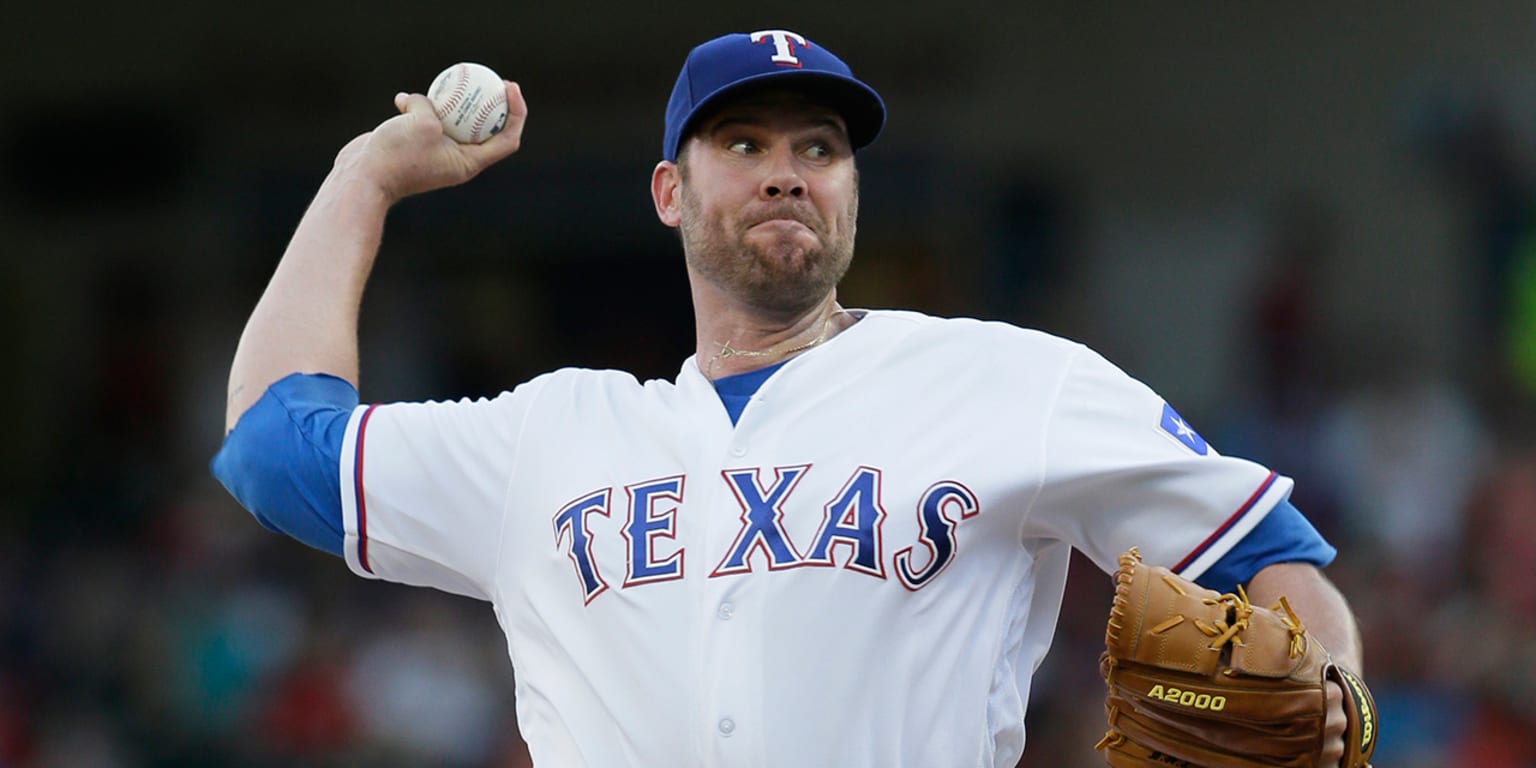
(787, 220)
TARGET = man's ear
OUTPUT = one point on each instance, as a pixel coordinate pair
(666, 192)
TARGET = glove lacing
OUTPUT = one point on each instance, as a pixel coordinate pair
(1239, 610)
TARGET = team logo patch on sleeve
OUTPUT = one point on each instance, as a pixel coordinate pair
(1179, 429)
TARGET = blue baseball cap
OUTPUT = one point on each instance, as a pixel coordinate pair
(730, 63)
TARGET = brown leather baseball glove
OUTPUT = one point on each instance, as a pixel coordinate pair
(1199, 679)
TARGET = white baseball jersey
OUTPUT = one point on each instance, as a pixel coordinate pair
(864, 571)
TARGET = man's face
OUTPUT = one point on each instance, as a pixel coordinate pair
(769, 201)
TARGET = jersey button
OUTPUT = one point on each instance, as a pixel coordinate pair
(727, 726)
(738, 450)
(727, 610)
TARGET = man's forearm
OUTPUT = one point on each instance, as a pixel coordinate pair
(1317, 602)
(306, 320)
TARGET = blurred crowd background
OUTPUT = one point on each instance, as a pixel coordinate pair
(1311, 226)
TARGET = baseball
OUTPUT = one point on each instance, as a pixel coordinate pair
(471, 100)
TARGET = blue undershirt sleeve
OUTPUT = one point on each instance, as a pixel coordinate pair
(282, 461)
(1283, 536)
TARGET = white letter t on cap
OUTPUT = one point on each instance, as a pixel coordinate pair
(783, 49)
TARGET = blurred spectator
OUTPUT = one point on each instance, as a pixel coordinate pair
(15, 740)
(307, 716)
(1401, 446)
(426, 690)
(1486, 637)
(1480, 156)
(1283, 378)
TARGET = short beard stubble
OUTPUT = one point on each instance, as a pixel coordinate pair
(782, 286)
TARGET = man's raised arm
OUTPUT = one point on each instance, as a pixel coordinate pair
(306, 320)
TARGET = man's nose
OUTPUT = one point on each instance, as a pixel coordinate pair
(783, 176)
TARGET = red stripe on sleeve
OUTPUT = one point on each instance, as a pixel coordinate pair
(1238, 515)
(357, 489)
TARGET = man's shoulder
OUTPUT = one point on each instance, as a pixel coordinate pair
(962, 332)
(592, 380)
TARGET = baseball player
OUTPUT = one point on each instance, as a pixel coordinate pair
(837, 537)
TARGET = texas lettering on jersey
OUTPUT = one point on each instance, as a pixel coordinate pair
(851, 531)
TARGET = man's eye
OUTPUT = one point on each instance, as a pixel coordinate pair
(818, 151)
(742, 146)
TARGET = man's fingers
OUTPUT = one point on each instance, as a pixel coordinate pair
(417, 122)
(517, 107)
(413, 102)
(506, 141)
(1337, 722)
(1334, 726)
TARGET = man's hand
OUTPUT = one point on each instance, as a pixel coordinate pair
(1199, 678)
(1327, 617)
(409, 154)
(1334, 726)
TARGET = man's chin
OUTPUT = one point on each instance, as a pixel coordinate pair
(786, 278)
(782, 243)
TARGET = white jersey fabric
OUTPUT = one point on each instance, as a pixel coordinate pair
(866, 570)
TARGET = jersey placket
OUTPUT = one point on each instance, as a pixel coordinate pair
(732, 669)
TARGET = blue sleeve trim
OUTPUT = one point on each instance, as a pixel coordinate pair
(282, 461)
(1283, 536)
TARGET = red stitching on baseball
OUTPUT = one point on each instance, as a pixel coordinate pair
(458, 91)
(485, 113)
